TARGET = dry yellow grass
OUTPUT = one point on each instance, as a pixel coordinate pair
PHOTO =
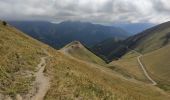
(70, 78)
(153, 39)
(74, 79)
(129, 66)
(158, 66)
(19, 56)
(77, 50)
(156, 63)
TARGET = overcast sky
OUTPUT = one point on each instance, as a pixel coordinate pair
(96, 11)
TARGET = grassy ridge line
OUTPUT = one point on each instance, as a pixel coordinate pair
(77, 50)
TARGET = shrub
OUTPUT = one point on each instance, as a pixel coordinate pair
(4, 23)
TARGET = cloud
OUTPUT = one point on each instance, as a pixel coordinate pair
(97, 11)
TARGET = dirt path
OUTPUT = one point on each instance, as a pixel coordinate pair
(41, 81)
(111, 73)
(40, 85)
(99, 67)
(143, 68)
(65, 51)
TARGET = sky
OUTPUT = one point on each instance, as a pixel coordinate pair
(96, 11)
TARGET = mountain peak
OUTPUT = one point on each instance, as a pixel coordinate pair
(79, 51)
(74, 45)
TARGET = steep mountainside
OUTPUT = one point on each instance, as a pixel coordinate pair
(108, 49)
(151, 39)
(144, 42)
(30, 70)
(58, 35)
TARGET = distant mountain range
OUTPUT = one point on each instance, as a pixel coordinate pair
(134, 28)
(58, 35)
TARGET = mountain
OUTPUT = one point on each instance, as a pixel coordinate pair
(144, 42)
(150, 49)
(58, 35)
(134, 28)
(151, 39)
(77, 50)
(32, 70)
(107, 49)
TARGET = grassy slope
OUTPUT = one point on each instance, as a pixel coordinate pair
(144, 42)
(151, 39)
(73, 79)
(128, 65)
(77, 50)
(19, 54)
(70, 78)
(157, 63)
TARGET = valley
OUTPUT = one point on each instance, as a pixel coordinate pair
(84, 50)
(36, 71)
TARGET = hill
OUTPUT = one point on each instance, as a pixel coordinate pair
(77, 50)
(144, 42)
(155, 62)
(58, 35)
(151, 39)
(152, 47)
(158, 65)
(30, 69)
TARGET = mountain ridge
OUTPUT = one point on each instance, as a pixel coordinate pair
(144, 42)
(60, 34)
(79, 51)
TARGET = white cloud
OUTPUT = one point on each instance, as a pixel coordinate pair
(97, 11)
